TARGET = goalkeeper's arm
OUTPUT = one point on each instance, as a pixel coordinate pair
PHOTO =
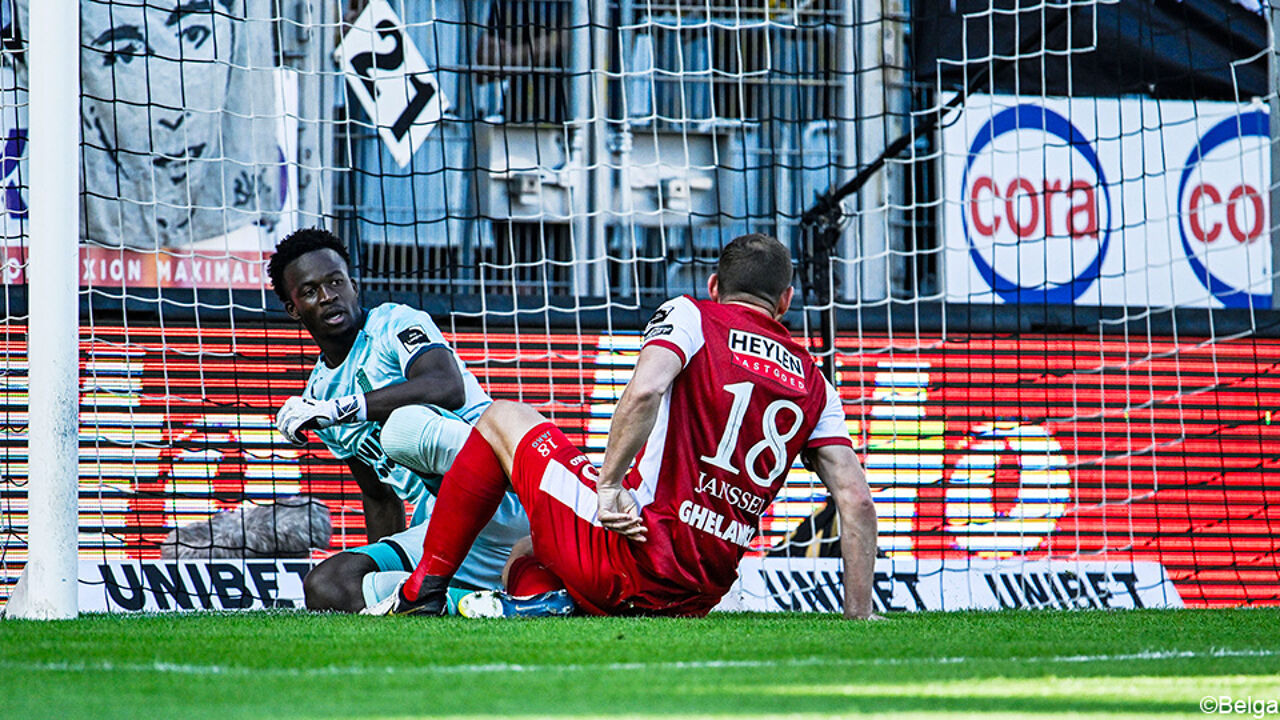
(433, 379)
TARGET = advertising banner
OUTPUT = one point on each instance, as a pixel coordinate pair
(816, 585)
(1031, 472)
(231, 257)
(154, 585)
(766, 584)
(1100, 201)
(391, 80)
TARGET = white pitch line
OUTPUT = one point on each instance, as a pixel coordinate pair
(354, 670)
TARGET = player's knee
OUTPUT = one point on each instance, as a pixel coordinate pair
(863, 507)
(862, 499)
(401, 435)
(423, 439)
(334, 585)
(499, 413)
(506, 421)
(526, 576)
(522, 547)
(319, 590)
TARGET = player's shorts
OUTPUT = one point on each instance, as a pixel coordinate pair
(526, 576)
(482, 568)
(556, 483)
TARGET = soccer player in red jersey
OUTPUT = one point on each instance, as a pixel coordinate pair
(721, 403)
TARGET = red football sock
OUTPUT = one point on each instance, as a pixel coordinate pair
(469, 496)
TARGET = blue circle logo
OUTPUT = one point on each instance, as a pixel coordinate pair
(1193, 209)
(1080, 221)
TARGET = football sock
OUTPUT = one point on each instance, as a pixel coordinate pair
(470, 494)
(378, 586)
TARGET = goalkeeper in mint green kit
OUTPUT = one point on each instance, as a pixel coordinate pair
(391, 398)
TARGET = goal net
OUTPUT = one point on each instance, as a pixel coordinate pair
(1032, 241)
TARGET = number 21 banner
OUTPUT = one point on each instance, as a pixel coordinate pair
(389, 77)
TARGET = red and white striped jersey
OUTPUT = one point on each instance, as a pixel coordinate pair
(748, 400)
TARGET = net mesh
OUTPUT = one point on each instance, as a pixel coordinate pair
(1032, 241)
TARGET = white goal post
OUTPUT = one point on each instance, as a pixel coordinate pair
(49, 589)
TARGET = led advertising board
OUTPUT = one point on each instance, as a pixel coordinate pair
(1146, 460)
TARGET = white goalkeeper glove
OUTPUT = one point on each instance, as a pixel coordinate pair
(300, 413)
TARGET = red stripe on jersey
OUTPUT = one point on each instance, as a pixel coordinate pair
(822, 442)
(667, 344)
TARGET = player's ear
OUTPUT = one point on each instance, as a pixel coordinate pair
(291, 310)
(713, 287)
(784, 301)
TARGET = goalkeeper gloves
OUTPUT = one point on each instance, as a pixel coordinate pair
(300, 413)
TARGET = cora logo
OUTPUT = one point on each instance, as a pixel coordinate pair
(1036, 209)
(1223, 209)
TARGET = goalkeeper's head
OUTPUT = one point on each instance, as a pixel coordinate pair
(311, 273)
(754, 269)
(297, 244)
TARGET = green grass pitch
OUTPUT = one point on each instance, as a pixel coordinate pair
(294, 665)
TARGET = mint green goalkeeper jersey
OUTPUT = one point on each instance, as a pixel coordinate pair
(393, 337)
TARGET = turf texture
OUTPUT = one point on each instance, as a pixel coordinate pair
(292, 665)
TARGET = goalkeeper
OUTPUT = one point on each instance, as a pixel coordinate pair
(389, 396)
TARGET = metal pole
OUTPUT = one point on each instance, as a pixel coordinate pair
(847, 132)
(601, 177)
(53, 326)
(312, 43)
(1273, 64)
(581, 145)
(624, 230)
(873, 200)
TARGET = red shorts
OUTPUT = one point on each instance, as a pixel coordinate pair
(556, 483)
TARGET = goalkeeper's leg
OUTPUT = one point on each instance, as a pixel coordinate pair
(336, 583)
(424, 438)
(469, 495)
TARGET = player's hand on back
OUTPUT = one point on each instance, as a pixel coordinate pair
(618, 512)
(300, 413)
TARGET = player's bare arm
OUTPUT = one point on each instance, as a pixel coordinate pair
(656, 368)
(383, 509)
(433, 379)
(838, 468)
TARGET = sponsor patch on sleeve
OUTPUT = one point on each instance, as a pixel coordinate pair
(656, 327)
(659, 315)
(413, 337)
(654, 331)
